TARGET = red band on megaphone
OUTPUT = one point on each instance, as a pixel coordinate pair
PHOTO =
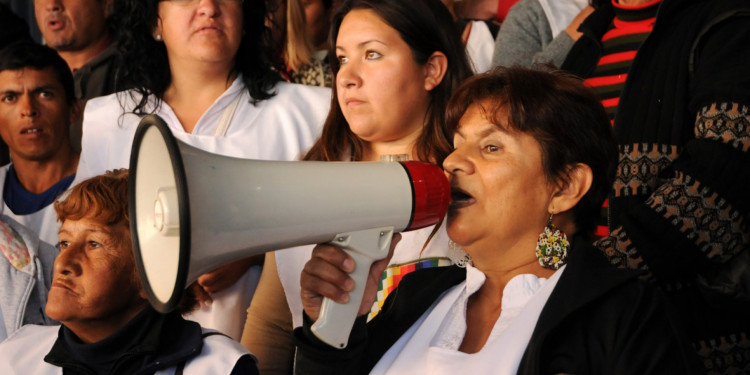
(432, 193)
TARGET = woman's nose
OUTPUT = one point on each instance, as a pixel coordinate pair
(67, 262)
(209, 8)
(348, 76)
(457, 161)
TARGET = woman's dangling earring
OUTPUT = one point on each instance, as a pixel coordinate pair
(552, 247)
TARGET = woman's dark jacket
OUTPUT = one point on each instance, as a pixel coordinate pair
(598, 320)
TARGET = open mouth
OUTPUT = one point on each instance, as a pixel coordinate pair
(460, 198)
(31, 131)
(55, 23)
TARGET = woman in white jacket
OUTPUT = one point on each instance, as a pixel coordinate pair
(397, 63)
(206, 69)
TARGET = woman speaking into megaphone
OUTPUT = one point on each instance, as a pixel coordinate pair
(396, 64)
(533, 160)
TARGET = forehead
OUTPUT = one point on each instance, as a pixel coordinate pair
(29, 78)
(89, 225)
(70, 3)
(482, 119)
(363, 25)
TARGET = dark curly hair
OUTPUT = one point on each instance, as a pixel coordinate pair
(145, 66)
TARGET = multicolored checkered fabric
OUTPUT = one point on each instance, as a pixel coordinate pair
(392, 276)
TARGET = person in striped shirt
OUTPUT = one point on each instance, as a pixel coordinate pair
(672, 75)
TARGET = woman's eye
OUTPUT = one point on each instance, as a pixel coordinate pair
(63, 244)
(343, 60)
(372, 55)
(491, 148)
(94, 244)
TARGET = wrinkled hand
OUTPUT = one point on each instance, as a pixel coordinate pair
(572, 29)
(223, 277)
(326, 275)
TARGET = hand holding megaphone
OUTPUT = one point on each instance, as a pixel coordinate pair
(327, 275)
(192, 211)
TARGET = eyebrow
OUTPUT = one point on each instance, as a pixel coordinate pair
(487, 130)
(34, 90)
(90, 230)
(362, 44)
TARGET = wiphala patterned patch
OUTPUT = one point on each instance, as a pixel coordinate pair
(702, 215)
(725, 122)
(639, 167)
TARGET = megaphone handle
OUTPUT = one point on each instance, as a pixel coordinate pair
(336, 319)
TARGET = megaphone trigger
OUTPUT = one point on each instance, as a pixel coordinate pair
(192, 211)
(336, 319)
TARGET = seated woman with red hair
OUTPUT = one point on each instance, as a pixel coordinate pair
(108, 326)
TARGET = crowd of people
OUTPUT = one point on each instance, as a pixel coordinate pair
(597, 153)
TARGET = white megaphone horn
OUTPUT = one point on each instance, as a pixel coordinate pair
(192, 211)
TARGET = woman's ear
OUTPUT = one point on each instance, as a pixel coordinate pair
(568, 193)
(435, 68)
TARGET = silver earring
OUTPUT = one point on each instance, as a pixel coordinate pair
(158, 37)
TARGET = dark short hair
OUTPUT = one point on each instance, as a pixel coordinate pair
(565, 117)
(25, 54)
(426, 26)
(145, 66)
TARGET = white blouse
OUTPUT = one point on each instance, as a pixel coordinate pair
(431, 345)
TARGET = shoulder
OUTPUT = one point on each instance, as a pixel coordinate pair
(434, 278)
(106, 101)
(219, 355)
(300, 107)
(527, 7)
(110, 111)
(26, 348)
(302, 95)
(31, 333)
(29, 239)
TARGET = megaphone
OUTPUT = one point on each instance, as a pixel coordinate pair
(192, 211)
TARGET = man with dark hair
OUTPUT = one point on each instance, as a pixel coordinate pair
(79, 31)
(37, 106)
(673, 77)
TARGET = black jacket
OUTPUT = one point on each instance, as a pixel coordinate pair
(680, 203)
(148, 343)
(598, 320)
